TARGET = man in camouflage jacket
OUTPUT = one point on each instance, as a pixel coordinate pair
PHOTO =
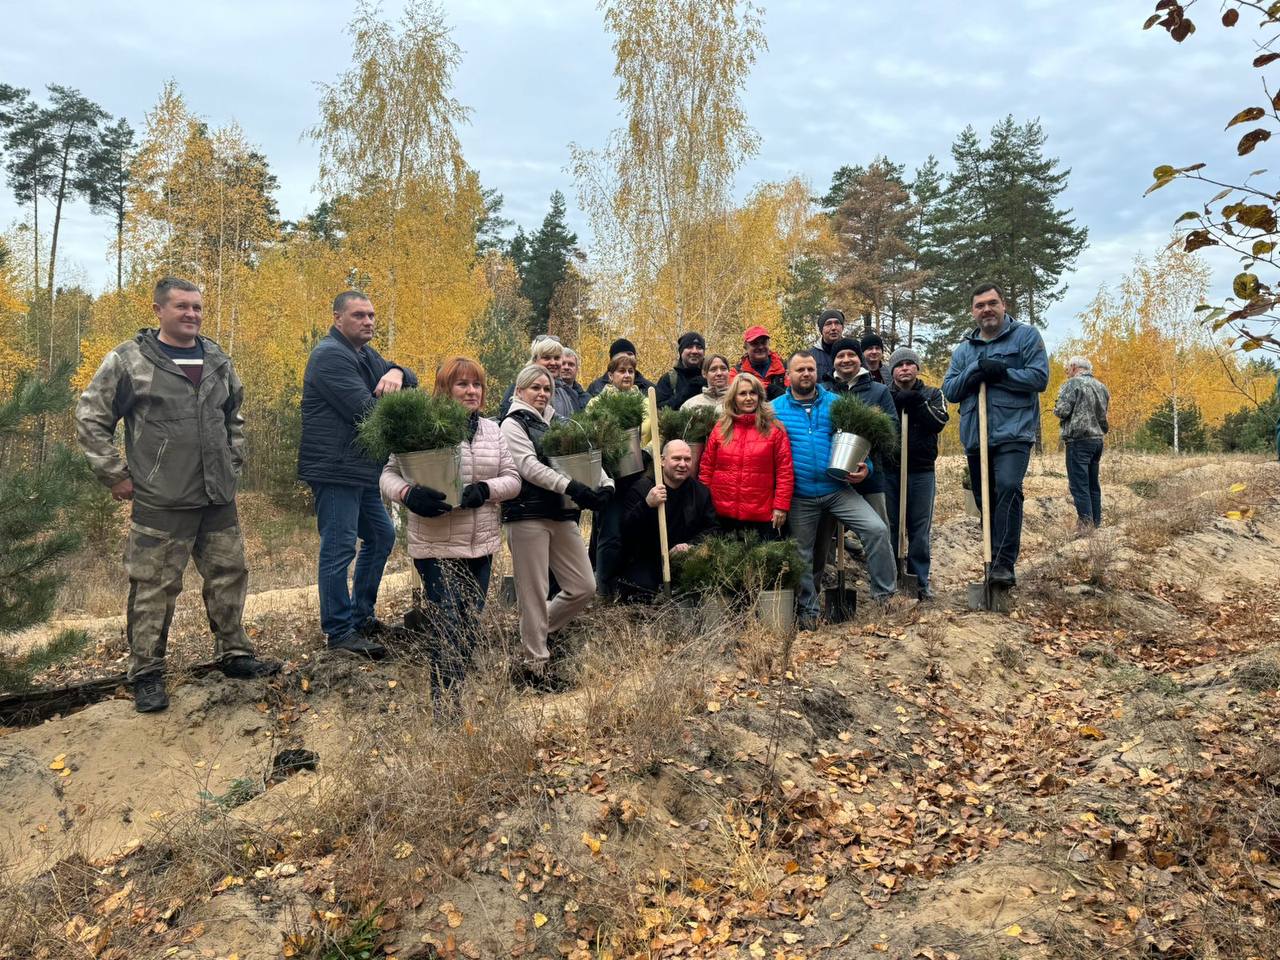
(180, 398)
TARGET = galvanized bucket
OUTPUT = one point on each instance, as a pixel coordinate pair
(632, 461)
(848, 451)
(583, 467)
(439, 469)
(776, 609)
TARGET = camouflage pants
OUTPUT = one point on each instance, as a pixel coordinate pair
(160, 544)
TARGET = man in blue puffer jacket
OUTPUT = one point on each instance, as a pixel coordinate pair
(1009, 357)
(344, 377)
(805, 410)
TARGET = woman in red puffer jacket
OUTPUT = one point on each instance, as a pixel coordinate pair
(747, 463)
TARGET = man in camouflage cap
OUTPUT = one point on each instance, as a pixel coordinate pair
(179, 397)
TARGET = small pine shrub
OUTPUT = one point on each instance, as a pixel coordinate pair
(851, 415)
(410, 420)
(625, 408)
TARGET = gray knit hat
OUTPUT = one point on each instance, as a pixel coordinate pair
(903, 355)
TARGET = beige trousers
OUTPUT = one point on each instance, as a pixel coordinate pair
(539, 547)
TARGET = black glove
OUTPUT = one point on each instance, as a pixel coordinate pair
(426, 502)
(993, 371)
(474, 495)
(908, 400)
(587, 498)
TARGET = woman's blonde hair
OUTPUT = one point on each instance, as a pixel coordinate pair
(545, 347)
(764, 413)
(527, 375)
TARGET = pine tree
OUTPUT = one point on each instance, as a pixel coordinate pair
(543, 267)
(39, 488)
(104, 180)
(998, 221)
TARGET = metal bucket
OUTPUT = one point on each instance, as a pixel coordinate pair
(970, 504)
(776, 609)
(438, 469)
(848, 451)
(632, 461)
(583, 467)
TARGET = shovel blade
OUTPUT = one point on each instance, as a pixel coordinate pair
(840, 604)
(980, 596)
(908, 584)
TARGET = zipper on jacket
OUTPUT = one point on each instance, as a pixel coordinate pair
(159, 455)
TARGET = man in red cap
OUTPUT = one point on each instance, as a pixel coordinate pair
(763, 362)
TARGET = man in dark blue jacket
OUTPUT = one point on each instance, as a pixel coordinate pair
(1009, 357)
(805, 411)
(344, 377)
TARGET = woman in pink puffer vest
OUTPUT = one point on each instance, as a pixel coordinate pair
(453, 549)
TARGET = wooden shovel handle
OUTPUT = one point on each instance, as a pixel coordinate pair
(655, 448)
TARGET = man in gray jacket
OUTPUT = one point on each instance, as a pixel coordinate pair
(1082, 407)
(1009, 357)
(179, 397)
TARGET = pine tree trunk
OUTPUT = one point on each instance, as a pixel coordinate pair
(53, 245)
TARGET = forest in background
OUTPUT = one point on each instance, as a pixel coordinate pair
(404, 217)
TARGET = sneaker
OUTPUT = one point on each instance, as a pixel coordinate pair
(373, 627)
(1002, 577)
(248, 668)
(539, 681)
(361, 647)
(149, 695)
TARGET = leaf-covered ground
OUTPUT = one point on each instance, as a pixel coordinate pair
(1096, 774)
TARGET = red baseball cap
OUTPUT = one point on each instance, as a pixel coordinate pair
(754, 333)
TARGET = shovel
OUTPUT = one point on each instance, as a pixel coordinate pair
(908, 583)
(656, 452)
(841, 601)
(986, 595)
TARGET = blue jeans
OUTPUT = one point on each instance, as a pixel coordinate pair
(454, 592)
(921, 488)
(1008, 462)
(859, 516)
(342, 514)
(1083, 458)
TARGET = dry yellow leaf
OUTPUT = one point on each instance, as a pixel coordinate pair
(713, 706)
(1238, 487)
(402, 850)
(1092, 733)
(1012, 930)
(59, 762)
(539, 919)
(591, 842)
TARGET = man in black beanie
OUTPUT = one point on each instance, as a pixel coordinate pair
(685, 379)
(830, 329)
(625, 347)
(872, 357)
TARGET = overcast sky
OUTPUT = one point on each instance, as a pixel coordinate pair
(840, 83)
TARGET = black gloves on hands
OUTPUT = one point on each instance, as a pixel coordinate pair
(426, 502)
(587, 498)
(993, 371)
(474, 495)
(908, 400)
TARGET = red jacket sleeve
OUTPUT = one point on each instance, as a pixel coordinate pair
(707, 464)
(785, 483)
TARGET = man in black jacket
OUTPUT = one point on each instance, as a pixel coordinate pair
(685, 379)
(344, 378)
(690, 517)
(830, 329)
(926, 411)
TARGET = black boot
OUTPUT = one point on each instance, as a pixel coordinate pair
(361, 647)
(248, 668)
(148, 693)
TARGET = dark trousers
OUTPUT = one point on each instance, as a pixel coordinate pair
(606, 552)
(1008, 463)
(344, 514)
(1083, 459)
(921, 488)
(454, 592)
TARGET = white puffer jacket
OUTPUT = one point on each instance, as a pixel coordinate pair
(462, 534)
